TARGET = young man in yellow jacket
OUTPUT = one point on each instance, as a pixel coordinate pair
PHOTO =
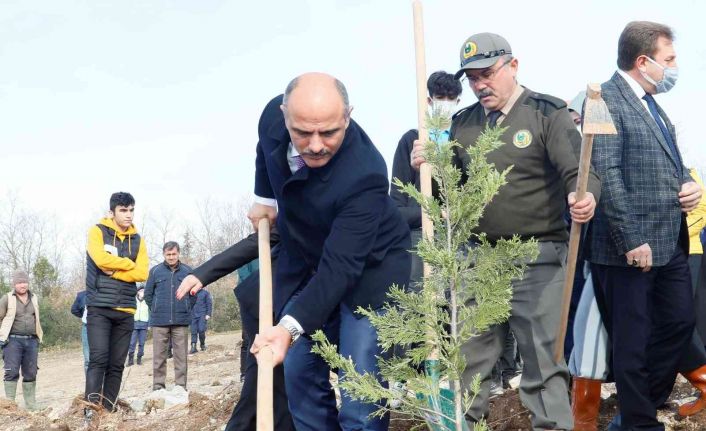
(116, 260)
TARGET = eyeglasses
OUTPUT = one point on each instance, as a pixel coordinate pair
(486, 75)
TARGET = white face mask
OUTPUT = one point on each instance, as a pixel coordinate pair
(444, 107)
(669, 77)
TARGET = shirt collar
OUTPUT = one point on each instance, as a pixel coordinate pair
(291, 151)
(636, 87)
(516, 93)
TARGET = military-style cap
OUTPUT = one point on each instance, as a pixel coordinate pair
(482, 50)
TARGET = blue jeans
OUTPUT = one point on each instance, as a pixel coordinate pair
(138, 338)
(313, 404)
(198, 328)
(84, 345)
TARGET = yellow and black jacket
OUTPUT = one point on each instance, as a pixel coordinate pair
(125, 254)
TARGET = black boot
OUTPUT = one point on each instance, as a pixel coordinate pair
(193, 348)
(139, 359)
(130, 359)
(202, 338)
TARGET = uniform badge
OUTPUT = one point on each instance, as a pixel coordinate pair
(522, 139)
(470, 50)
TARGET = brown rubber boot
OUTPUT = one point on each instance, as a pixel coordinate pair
(585, 403)
(697, 378)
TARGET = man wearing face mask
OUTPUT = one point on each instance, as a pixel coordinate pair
(638, 242)
(542, 146)
(444, 95)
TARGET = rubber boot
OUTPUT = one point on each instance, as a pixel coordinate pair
(29, 391)
(130, 359)
(697, 378)
(139, 359)
(10, 390)
(585, 403)
(202, 338)
(193, 348)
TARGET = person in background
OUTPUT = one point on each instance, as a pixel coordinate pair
(78, 309)
(170, 317)
(116, 260)
(139, 333)
(20, 335)
(200, 315)
(247, 292)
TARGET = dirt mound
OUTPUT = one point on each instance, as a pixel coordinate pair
(201, 413)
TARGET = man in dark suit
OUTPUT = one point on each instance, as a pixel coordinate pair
(344, 243)
(247, 292)
(637, 243)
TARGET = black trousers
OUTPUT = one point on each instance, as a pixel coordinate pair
(109, 333)
(244, 417)
(649, 317)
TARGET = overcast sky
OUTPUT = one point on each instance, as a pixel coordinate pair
(161, 98)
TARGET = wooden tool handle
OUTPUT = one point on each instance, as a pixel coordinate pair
(425, 168)
(265, 416)
(574, 240)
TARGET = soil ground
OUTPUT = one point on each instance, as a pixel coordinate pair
(214, 387)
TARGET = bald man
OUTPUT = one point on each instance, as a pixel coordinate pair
(344, 243)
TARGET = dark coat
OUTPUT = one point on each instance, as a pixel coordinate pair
(640, 184)
(203, 305)
(160, 295)
(235, 256)
(343, 239)
(79, 304)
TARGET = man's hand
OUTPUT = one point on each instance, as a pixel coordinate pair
(640, 257)
(107, 272)
(208, 317)
(417, 156)
(259, 211)
(190, 284)
(581, 211)
(277, 338)
(690, 196)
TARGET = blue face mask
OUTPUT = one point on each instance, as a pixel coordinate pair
(669, 77)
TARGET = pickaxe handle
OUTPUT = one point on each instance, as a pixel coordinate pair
(596, 120)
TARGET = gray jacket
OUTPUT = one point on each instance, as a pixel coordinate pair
(640, 184)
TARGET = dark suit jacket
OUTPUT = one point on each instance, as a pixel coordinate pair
(343, 238)
(232, 258)
(640, 184)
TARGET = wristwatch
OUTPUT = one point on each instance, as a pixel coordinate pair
(288, 323)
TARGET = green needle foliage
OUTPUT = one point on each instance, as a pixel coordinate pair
(469, 290)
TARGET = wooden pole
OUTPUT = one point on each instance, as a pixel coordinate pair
(265, 416)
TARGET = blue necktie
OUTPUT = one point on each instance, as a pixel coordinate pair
(652, 106)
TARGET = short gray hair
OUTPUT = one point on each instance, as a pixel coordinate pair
(339, 86)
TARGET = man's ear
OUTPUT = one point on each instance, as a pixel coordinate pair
(429, 101)
(640, 62)
(348, 116)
